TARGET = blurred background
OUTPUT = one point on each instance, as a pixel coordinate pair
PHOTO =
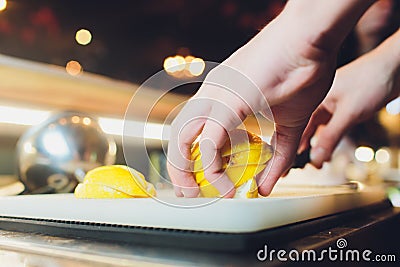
(104, 49)
(129, 40)
(122, 40)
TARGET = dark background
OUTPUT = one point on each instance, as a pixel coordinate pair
(131, 39)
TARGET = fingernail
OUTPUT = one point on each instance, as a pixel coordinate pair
(318, 155)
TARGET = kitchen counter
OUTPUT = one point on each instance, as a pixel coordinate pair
(374, 227)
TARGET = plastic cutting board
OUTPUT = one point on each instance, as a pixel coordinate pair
(285, 206)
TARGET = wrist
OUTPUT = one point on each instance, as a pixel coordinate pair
(324, 24)
(387, 55)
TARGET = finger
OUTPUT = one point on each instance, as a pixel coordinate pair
(212, 139)
(184, 183)
(214, 135)
(320, 116)
(185, 129)
(330, 136)
(286, 141)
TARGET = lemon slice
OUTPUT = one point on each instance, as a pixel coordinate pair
(114, 181)
(98, 191)
(244, 156)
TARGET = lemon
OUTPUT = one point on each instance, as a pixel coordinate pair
(114, 181)
(244, 155)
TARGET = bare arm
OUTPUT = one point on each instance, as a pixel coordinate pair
(372, 80)
(325, 24)
(292, 63)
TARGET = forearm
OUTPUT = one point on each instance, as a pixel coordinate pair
(389, 53)
(324, 24)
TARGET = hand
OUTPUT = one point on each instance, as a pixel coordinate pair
(289, 65)
(360, 89)
(292, 80)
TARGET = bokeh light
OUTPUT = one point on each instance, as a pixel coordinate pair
(364, 154)
(169, 64)
(3, 5)
(197, 66)
(382, 156)
(180, 63)
(184, 67)
(73, 68)
(174, 64)
(83, 37)
(75, 119)
(189, 59)
(86, 121)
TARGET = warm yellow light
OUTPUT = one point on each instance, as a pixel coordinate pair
(83, 37)
(174, 64)
(197, 66)
(73, 68)
(189, 59)
(86, 121)
(184, 67)
(364, 154)
(382, 156)
(169, 62)
(3, 5)
(75, 119)
(181, 63)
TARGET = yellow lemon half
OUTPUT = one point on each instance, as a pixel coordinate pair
(244, 155)
(114, 181)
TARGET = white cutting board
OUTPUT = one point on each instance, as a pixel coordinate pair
(285, 206)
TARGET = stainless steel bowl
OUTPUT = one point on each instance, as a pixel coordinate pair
(54, 156)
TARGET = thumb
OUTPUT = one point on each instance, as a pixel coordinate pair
(330, 135)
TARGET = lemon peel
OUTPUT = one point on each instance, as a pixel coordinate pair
(244, 156)
(114, 181)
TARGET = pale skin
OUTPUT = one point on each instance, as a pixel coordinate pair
(373, 24)
(360, 89)
(292, 63)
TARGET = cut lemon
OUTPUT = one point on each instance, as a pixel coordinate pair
(244, 156)
(114, 181)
